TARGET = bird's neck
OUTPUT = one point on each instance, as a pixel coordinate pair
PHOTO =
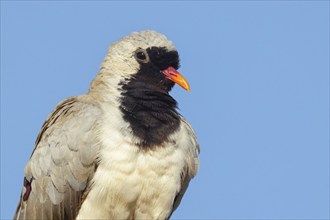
(151, 114)
(105, 88)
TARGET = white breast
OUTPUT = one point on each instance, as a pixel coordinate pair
(130, 182)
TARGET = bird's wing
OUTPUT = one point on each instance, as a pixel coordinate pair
(192, 162)
(62, 163)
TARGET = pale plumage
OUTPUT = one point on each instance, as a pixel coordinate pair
(119, 152)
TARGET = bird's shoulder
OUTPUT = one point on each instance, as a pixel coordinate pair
(70, 112)
(63, 161)
(189, 139)
(65, 149)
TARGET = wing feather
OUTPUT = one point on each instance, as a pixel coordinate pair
(62, 162)
(190, 170)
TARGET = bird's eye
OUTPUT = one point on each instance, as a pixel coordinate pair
(142, 56)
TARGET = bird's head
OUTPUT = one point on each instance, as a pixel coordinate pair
(147, 57)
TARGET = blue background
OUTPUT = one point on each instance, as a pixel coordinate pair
(259, 74)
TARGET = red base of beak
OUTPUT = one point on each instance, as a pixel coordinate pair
(173, 75)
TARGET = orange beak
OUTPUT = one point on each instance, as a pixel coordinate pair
(173, 75)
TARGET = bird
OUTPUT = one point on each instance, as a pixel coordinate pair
(120, 151)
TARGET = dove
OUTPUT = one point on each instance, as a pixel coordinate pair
(120, 151)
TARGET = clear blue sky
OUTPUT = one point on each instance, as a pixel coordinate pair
(259, 74)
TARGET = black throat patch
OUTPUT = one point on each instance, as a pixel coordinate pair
(151, 114)
(146, 104)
